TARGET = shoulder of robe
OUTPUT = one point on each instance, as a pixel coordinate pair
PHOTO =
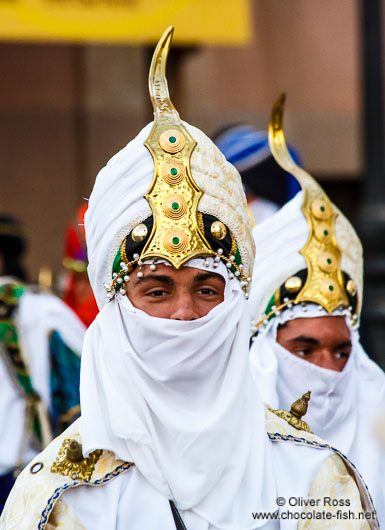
(50, 474)
(337, 473)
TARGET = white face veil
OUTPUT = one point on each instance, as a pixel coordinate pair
(175, 397)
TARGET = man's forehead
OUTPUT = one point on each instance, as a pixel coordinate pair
(319, 325)
(165, 269)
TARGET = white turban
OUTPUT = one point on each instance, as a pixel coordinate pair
(117, 205)
(278, 242)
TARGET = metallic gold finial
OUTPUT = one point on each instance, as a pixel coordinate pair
(299, 407)
(324, 284)
(297, 410)
(74, 451)
(70, 461)
(173, 194)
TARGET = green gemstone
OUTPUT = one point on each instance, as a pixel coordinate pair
(326, 232)
(329, 261)
(322, 208)
(331, 288)
(173, 171)
(172, 139)
(175, 206)
(175, 240)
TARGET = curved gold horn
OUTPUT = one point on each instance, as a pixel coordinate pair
(325, 283)
(157, 81)
(281, 153)
(173, 195)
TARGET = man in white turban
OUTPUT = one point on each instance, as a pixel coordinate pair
(173, 431)
(306, 311)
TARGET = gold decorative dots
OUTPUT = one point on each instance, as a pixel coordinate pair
(218, 230)
(172, 141)
(139, 233)
(173, 171)
(320, 209)
(327, 262)
(175, 241)
(323, 233)
(174, 206)
(351, 288)
(293, 284)
(330, 289)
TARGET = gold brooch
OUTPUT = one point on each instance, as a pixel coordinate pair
(70, 461)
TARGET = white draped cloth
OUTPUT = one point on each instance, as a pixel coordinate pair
(38, 314)
(177, 399)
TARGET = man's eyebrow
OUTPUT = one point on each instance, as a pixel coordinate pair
(308, 340)
(203, 276)
(155, 278)
(344, 344)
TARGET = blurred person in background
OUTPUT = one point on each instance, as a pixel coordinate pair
(77, 291)
(40, 346)
(267, 185)
(306, 300)
(173, 431)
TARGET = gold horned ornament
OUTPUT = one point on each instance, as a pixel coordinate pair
(325, 283)
(173, 195)
(178, 231)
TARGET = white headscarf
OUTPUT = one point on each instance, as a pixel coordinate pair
(175, 397)
(343, 405)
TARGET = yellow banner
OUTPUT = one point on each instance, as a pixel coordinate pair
(222, 22)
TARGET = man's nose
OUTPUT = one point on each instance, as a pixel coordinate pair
(329, 361)
(184, 308)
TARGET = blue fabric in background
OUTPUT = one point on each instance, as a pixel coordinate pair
(64, 381)
(248, 150)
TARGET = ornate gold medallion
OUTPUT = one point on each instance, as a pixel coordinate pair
(70, 461)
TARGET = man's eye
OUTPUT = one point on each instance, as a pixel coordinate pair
(206, 291)
(158, 293)
(342, 355)
(303, 352)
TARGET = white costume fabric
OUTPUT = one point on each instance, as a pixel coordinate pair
(344, 405)
(194, 428)
(38, 314)
(175, 397)
(195, 417)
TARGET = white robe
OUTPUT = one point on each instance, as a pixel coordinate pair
(38, 314)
